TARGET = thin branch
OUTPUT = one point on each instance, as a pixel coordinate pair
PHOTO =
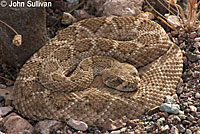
(7, 79)
(154, 9)
(74, 8)
(167, 8)
(9, 27)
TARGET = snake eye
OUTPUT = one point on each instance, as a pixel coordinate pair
(117, 81)
(133, 73)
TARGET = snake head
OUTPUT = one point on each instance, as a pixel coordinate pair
(122, 77)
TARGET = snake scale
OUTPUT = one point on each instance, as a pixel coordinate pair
(135, 58)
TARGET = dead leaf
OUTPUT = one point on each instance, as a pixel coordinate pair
(17, 40)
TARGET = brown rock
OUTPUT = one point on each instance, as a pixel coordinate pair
(120, 8)
(197, 95)
(193, 35)
(82, 14)
(94, 5)
(44, 127)
(196, 74)
(113, 125)
(15, 124)
(67, 19)
(115, 7)
(59, 5)
(133, 123)
(33, 32)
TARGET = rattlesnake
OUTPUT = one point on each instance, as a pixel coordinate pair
(130, 54)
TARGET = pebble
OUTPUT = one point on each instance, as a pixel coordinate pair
(179, 90)
(169, 100)
(193, 108)
(198, 132)
(198, 115)
(193, 35)
(115, 132)
(82, 14)
(25, 132)
(181, 112)
(78, 125)
(2, 86)
(160, 121)
(174, 130)
(170, 108)
(186, 122)
(181, 128)
(192, 57)
(188, 131)
(198, 122)
(164, 128)
(117, 124)
(174, 119)
(149, 129)
(197, 44)
(182, 117)
(196, 74)
(163, 114)
(67, 19)
(155, 117)
(173, 21)
(190, 117)
(133, 123)
(197, 95)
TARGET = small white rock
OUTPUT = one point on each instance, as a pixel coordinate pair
(115, 132)
(169, 100)
(174, 130)
(164, 128)
(197, 95)
(78, 125)
(160, 121)
(193, 108)
(174, 21)
(197, 40)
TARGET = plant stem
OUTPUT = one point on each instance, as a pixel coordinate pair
(9, 27)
